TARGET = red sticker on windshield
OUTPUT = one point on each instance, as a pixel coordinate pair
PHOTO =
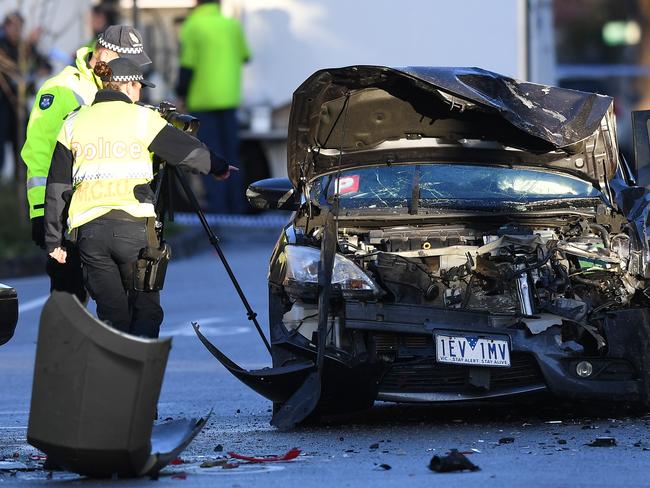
(348, 184)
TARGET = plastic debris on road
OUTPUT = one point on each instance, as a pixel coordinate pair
(603, 442)
(454, 461)
(288, 456)
(95, 395)
(219, 463)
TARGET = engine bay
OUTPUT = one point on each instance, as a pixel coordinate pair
(572, 271)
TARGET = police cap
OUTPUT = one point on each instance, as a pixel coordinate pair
(123, 69)
(126, 41)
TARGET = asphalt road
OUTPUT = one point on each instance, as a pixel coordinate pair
(548, 442)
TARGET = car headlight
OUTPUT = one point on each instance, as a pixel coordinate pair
(302, 267)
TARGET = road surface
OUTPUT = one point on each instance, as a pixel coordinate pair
(548, 442)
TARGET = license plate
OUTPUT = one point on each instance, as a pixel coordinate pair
(472, 350)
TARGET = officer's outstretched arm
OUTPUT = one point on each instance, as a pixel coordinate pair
(179, 148)
(59, 181)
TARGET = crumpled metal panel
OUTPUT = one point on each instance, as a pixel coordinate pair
(95, 393)
(541, 117)
(560, 116)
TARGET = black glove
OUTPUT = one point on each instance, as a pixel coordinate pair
(218, 165)
(38, 231)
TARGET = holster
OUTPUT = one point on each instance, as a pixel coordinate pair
(151, 266)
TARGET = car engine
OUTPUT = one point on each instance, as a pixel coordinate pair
(570, 271)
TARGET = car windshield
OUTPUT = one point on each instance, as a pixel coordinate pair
(432, 185)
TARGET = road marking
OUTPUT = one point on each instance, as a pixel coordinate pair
(263, 221)
(32, 304)
(184, 329)
(207, 320)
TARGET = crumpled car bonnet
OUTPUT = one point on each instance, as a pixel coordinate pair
(356, 108)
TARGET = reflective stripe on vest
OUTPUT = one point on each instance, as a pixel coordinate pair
(35, 181)
(112, 170)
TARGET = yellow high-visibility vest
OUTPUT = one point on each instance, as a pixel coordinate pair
(109, 143)
(59, 95)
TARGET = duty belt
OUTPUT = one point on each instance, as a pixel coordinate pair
(122, 215)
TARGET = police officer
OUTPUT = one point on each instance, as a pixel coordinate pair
(102, 156)
(60, 95)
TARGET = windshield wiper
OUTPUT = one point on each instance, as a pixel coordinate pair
(415, 192)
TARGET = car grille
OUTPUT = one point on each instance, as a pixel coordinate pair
(426, 375)
(390, 342)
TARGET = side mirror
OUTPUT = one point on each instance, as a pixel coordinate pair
(273, 193)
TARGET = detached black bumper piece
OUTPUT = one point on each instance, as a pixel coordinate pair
(94, 397)
(8, 313)
(276, 384)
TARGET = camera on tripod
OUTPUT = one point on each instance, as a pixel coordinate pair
(151, 266)
(185, 122)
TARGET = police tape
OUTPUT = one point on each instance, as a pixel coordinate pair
(274, 221)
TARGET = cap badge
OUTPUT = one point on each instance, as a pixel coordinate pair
(134, 40)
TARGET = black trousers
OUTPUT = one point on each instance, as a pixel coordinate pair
(219, 131)
(108, 248)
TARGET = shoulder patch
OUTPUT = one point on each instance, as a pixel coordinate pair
(46, 101)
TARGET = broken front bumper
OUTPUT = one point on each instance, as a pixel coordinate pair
(403, 337)
(391, 356)
(94, 396)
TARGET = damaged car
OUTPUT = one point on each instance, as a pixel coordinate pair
(457, 235)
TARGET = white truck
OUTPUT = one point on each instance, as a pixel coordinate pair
(291, 39)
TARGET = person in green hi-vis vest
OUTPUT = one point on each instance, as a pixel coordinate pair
(213, 50)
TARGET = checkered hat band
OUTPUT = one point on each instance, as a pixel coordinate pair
(118, 49)
(127, 78)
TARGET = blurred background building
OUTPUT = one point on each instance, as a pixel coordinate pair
(596, 45)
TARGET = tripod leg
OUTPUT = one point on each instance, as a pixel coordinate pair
(214, 240)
